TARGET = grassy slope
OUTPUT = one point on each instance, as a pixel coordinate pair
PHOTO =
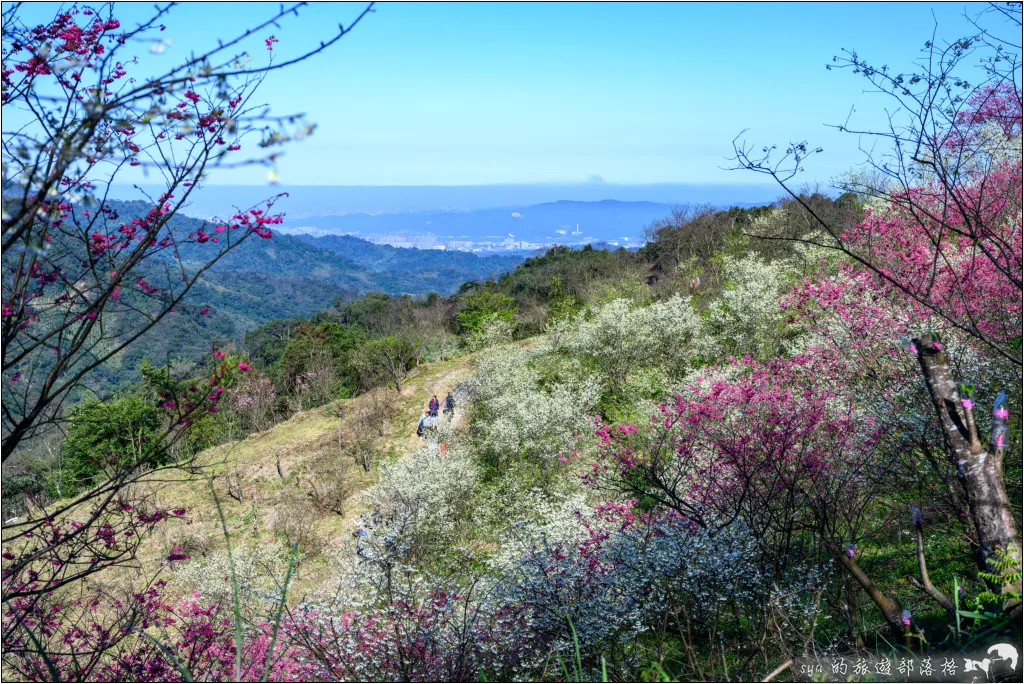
(302, 444)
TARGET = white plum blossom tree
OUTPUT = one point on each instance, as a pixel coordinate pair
(620, 338)
(513, 416)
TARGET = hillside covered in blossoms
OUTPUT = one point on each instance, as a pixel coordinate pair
(776, 442)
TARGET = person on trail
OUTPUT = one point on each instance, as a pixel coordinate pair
(361, 534)
(434, 406)
(422, 424)
(449, 404)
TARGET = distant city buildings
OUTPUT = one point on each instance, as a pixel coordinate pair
(418, 240)
(431, 241)
(463, 244)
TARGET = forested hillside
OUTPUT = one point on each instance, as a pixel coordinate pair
(284, 277)
(346, 262)
(384, 258)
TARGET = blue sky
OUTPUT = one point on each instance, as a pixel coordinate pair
(499, 93)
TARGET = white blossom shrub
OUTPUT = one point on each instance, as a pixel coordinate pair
(553, 516)
(513, 416)
(390, 621)
(493, 332)
(747, 318)
(510, 498)
(619, 575)
(423, 502)
(606, 573)
(620, 338)
(257, 571)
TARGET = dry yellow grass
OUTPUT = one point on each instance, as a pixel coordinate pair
(272, 472)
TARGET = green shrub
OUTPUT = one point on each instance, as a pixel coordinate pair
(482, 307)
(112, 435)
(386, 360)
(324, 347)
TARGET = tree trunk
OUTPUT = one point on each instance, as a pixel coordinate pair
(926, 583)
(891, 608)
(979, 470)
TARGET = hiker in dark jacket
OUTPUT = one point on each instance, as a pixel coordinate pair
(434, 406)
(449, 404)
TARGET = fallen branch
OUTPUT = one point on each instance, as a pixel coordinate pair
(777, 671)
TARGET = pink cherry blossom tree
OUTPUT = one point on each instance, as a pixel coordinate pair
(940, 245)
(944, 226)
(84, 277)
(777, 447)
(81, 281)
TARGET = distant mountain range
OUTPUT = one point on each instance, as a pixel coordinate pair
(485, 215)
(285, 277)
(395, 260)
(349, 266)
(563, 222)
(306, 201)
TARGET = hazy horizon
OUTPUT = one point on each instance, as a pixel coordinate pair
(328, 200)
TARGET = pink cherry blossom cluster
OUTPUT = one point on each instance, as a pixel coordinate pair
(742, 433)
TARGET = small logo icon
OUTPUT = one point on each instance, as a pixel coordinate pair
(1003, 652)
